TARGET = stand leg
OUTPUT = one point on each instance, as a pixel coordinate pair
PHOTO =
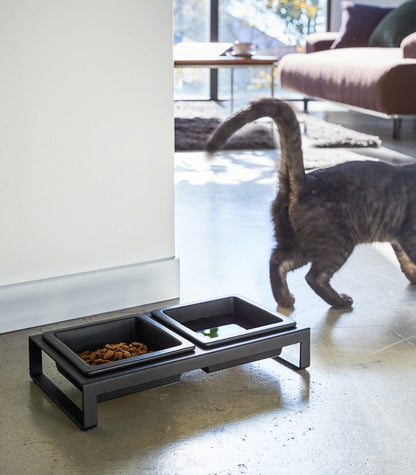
(89, 406)
(35, 358)
(304, 353)
(86, 419)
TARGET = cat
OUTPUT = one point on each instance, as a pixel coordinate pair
(320, 216)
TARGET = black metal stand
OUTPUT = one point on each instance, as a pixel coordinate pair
(133, 379)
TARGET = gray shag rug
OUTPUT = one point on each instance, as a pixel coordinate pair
(191, 134)
(321, 134)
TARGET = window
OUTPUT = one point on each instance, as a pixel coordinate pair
(275, 27)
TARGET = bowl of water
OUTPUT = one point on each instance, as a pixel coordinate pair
(223, 320)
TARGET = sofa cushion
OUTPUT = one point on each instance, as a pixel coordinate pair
(377, 79)
(395, 26)
(357, 24)
(408, 46)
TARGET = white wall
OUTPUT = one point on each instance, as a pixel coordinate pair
(336, 9)
(86, 146)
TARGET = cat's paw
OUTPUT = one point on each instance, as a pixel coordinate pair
(346, 301)
(287, 302)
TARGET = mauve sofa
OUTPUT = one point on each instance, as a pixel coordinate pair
(376, 79)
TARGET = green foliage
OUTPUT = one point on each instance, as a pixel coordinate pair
(299, 16)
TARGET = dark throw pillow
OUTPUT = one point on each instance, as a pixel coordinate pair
(395, 26)
(357, 24)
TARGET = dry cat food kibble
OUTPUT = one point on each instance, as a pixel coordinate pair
(115, 352)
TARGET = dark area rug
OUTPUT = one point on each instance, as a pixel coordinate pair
(196, 121)
(192, 135)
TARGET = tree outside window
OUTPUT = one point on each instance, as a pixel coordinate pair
(299, 16)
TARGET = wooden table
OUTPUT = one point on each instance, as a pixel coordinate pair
(218, 55)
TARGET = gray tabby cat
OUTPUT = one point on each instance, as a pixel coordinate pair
(321, 216)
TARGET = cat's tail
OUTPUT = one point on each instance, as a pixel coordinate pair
(292, 170)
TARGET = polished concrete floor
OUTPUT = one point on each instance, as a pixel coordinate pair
(352, 412)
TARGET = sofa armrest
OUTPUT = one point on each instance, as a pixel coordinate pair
(408, 45)
(320, 41)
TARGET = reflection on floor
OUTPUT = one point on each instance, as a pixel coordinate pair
(352, 412)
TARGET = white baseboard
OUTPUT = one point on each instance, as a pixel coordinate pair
(63, 298)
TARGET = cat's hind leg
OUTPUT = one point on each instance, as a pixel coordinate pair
(407, 264)
(282, 261)
(320, 275)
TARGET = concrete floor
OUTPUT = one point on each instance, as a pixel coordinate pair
(352, 412)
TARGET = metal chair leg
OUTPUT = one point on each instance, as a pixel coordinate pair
(397, 127)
